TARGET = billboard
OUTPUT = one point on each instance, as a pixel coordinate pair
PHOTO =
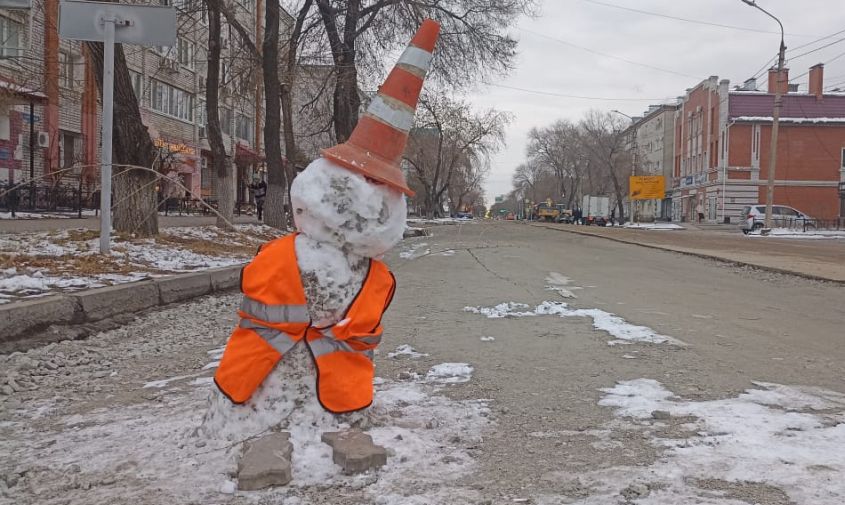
(647, 187)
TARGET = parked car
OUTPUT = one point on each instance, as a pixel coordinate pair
(754, 218)
(463, 215)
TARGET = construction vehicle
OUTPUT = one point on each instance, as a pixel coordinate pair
(548, 210)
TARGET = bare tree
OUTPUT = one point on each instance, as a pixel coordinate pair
(449, 136)
(603, 135)
(528, 178)
(474, 42)
(221, 166)
(558, 147)
(136, 206)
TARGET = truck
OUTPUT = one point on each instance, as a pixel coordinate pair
(595, 206)
(548, 210)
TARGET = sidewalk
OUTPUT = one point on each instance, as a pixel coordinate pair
(93, 223)
(815, 259)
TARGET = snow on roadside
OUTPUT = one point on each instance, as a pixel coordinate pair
(653, 226)
(68, 260)
(787, 437)
(602, 320)
(810, 234)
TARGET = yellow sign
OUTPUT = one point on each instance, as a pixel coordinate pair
(647, 187)
(173, 147)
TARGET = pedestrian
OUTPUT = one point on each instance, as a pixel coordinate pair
(12, 199)
(613, 216)
(259, 188)
(700, 210)
(95, 201)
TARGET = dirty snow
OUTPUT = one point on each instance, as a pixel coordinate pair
(810, 234)
(558, 283)
(450, 373)
(415, 251)
(653, 226)
(488, 339)
(406, 350)
(787, 437)
(612, 324)
(139, 259)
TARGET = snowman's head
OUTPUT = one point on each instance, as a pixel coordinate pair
(342, 208)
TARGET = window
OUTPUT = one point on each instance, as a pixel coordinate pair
(244, 127)
(185, 53)
(172, 101)
(11, 37)
(70, 148)
(137, 85)
(67, 76)
(164, 51)
(843, 158)
(226, 120)
(202, 119)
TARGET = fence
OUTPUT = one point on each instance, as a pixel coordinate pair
(803, 225)
(65, 196)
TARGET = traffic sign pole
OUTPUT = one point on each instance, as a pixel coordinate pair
(106, 150)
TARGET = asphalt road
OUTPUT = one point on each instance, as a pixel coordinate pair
(543, 378)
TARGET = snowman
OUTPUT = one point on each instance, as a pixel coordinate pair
(301, 357)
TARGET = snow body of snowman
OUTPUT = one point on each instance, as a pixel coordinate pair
(349, 208)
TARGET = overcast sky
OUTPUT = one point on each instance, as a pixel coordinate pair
(695, 50)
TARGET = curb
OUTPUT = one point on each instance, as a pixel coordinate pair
(700, 255)
(19, 320)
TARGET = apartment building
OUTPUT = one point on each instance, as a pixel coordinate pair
(651, 141)
(54, 78)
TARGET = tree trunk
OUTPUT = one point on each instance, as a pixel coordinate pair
(346, 99)
(276, 180)
(134, 194)
(617, 188)
(224, 185)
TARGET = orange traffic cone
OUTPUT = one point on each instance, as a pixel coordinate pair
(376, 145)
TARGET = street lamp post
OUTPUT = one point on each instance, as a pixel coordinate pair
(770, 186)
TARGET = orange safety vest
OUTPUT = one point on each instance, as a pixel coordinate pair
(274, 317)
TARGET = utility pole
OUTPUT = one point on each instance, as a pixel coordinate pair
(634, 158)
(770, 186)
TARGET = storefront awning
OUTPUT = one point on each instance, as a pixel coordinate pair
(243, 153)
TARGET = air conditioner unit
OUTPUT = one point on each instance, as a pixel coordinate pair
(43, 139)
(18, 154)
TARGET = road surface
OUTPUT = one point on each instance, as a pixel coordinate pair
(629, 376)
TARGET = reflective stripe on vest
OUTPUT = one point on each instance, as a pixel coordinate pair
(330, 343)
(275, 313)
(279, 340)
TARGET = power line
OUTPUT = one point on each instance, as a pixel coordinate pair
(606, 55)
(771, 61)
(818, 49)
(802, 46)
(695, 21)
(580, 97)
(825, 63)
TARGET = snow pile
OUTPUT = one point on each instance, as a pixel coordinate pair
(336, 206)
(438, 221)
(612, 324)
(412, 252)
(406, 350)
(488, 339)
(558, 283)
(789, 437)
(653, 226)
(811, 234)
(450, 373)
(506, 309)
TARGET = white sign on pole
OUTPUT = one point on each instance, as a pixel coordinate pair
(15, 4)
(110, 23)
(147, 25)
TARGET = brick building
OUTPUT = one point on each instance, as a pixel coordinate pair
(55, 78)
(722, 142)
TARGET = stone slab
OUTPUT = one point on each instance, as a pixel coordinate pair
(18, 318)
(225, 278)
(265, 462)
(354, 451)
(102, 303)
(183, 287)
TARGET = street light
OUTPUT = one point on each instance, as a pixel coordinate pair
(770, 187)
(623, 114)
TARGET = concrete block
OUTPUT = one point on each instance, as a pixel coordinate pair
(102, 303)
(355, 451)
(225, 278)
(19, 318)
(183, 286)
(266, 462)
